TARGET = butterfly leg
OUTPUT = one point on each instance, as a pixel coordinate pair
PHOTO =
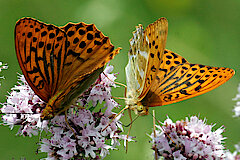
(120, 85)
(130, 116)
(160, 125)
(125, 92)
(115, 82)
(154, 132)
(115, 117)
(69, 124)
(80, 107)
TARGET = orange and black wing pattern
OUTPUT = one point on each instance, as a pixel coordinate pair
(41, 50)
(179, 80)
(88, 50)
(61, 63)
(156, 38)
(146, 49)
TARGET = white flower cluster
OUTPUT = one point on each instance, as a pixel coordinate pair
(82, 135)
(23, 108)
(189, 139)
(2, 66)
(235, 155)
(101, 91)
(236, 109)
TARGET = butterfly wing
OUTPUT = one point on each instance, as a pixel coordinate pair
(88, 50)
(40, 51)
(179, 80)
(156, 34)
(146, 50)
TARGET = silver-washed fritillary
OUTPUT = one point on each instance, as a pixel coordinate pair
(59, 63)
(157, 76)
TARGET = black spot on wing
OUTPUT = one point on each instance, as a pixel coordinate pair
(80, 25)
(76, 40)
(81, 32)
(97, 42)
(184, 60)
(50, 27)
(97, 35)
(197, 88)
(89, 36)
(89, 50)
(29, 35)
(169, 57)
(90, 28)
(153, 68)
(34, 39)
(51, 35)
(82, 44)
(152, 55)
(34, 70)
(59, 38)
(40, 44)
(158, 54)
(44, 33)
(69, 25)
(182, 91)
(45, 65)
(70, 33)
(174, 55)
(35, 78)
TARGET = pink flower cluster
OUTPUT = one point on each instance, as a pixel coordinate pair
(82, 135)
(189, 139)
(87, 140)
(23, 107)
(101, 91)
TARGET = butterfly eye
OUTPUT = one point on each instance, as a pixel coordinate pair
(140, 108)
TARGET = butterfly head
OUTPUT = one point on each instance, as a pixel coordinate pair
(139, 109)
(47, 113)
(142, 110)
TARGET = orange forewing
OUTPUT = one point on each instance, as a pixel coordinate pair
(40, 49)
(155, 35)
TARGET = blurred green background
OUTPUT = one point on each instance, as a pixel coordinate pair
(205, 32)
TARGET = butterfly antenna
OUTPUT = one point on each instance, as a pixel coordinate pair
(119, 98)
(115, 117)
(118, 84)
(115, 82)
(155, 135)
(130, 116)
(131, 121)
(163, 129)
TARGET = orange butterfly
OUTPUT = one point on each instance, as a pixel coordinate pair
(60, 63)
(157, 76)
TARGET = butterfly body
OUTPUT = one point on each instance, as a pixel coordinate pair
(157, 76)
(60, 63)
